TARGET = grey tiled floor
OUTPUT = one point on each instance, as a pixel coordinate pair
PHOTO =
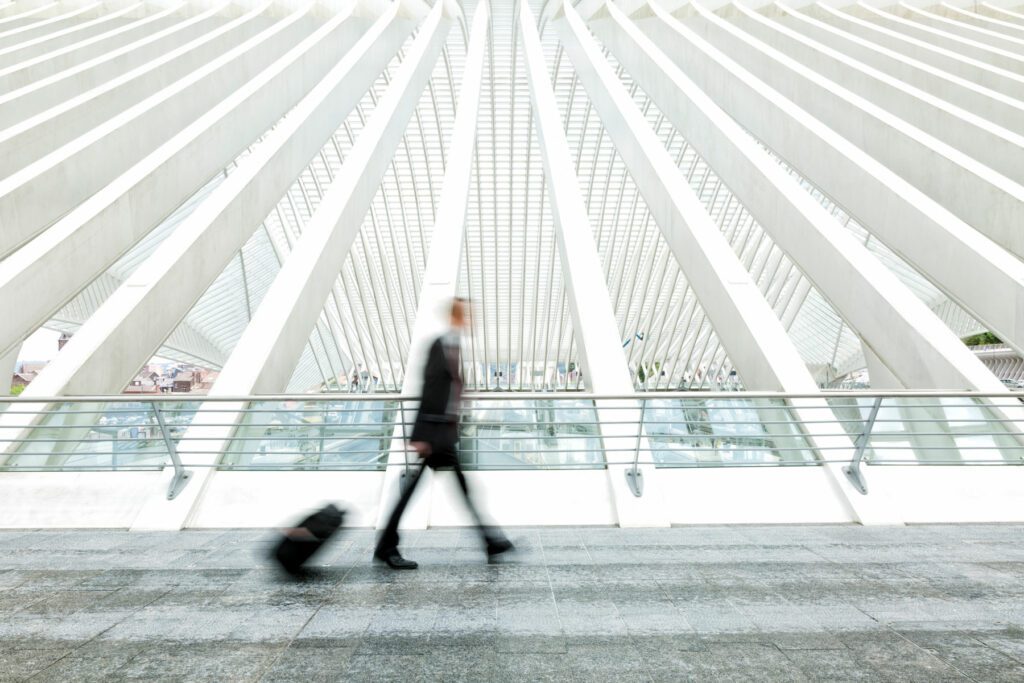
(928, 603)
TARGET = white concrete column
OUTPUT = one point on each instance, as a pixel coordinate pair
(442, 270)
(265, 356)
(879, 374)
(745, 323)
(8, 364)
(593, 317)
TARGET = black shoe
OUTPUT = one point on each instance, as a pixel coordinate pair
(394, 560)
(499, 547)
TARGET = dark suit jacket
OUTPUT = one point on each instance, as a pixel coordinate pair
(438, 418)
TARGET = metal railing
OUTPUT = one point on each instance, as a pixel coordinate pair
(510, 430)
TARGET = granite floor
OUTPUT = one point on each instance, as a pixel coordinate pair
(793, 603)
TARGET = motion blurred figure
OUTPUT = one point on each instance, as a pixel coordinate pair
(435, 437)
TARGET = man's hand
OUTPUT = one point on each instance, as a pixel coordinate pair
(421, 447)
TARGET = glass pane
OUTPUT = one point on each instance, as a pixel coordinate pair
(115, 435)
(530, 434)
(685, 432)
(343, 434)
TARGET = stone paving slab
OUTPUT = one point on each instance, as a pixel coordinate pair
(779, 603)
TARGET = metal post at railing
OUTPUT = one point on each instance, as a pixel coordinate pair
(404, 478)
(181, 475)
(852, 471)
(634, 477)
(323, 431)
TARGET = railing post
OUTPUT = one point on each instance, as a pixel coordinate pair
(852, 471)
(405, 478)
(634, 477)
(181, 475)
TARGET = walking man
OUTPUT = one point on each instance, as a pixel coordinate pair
(435, 437)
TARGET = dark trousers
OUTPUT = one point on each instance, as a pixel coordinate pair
(389, 538)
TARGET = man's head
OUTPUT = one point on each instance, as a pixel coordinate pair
(459, 314)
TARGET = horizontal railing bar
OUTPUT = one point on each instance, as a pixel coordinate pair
(508, 424)
(727, 438)
(470, 409)
(379, 467)
(695, 449)
(517, 396)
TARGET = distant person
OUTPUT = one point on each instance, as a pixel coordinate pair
(435, 436)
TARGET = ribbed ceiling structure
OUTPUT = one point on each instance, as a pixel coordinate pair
(769, 195)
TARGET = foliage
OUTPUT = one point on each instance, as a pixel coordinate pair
(982, 338)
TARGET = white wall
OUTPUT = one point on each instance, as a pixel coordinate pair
(73, 499)
(777, 495)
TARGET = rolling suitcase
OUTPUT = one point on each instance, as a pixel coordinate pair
(301, 542)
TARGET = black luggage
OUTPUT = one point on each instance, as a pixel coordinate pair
(308, 536)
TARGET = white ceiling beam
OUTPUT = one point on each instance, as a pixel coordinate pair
(122, 334)
(870, 24)
(751, 332)
(78, 58)
(87, 25)
(30, 138)
(41, 276)
(997, 147)
(990, 104)
(55, 181)
(955, 26)
(265, 356)
(896, 212)
(894, 322)
(46, 23)
(16, 14)
(990, 22)
(989, 201)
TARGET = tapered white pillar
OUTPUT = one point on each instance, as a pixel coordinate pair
(442, 271)
(590, 305)
(749, 329)
(265, 357)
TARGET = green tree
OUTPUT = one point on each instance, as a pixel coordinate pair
(982, 338)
